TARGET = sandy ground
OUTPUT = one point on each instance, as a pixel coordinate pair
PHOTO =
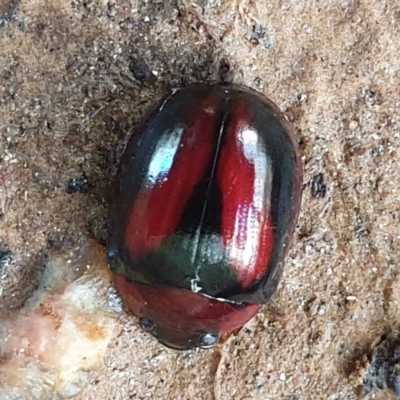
(76, 75)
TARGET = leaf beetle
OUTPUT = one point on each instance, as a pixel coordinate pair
(206, 200)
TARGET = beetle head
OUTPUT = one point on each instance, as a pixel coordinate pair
(179, 318)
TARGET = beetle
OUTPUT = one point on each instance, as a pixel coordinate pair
(205, 204)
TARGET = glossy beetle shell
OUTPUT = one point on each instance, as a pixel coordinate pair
(207, 197)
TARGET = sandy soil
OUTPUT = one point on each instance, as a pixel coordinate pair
(77, 74)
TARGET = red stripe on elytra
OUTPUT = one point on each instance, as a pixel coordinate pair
(246, 224)
(159, 205)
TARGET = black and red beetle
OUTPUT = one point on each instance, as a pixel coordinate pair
(207, 197)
